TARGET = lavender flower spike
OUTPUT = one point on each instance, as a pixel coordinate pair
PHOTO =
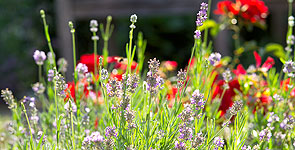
(202, 14)
(214, 58)
(39, 57)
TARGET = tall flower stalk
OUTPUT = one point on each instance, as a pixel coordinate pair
(106, 34)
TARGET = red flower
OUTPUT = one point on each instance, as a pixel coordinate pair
(267, 64)
(119, 62)
(88, 60)
(240, 70)
(284, 84)
(227, 99)
(170, 65)
(226, 6)
(250, 10)
(253, 10)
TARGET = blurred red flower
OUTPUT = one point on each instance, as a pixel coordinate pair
(250, 10)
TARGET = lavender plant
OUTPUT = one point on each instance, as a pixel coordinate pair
(99, 110)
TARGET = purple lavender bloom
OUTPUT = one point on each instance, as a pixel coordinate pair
(39, 57)
(114, 88)
(245, 147)
(67, 106)
(218, 142)
(197, 34)
(214, 58)
(202, 14)
(81, 69)
(96, 137)
(200, 104)
(196, 97)
(50, 75)
(187, 114)
(186, 133)
(289, 67)
(38, 88)
(111, 131)
(265, 134)
(179, 145)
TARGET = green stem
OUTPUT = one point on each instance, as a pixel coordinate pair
(95, 54)
(31, 138)
(47, 36)
(75, 74)
(56, 113)
(206, 30)
(40, 72)
(72, 125)
(129, 51)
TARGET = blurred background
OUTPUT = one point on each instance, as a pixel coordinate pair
(168, 26)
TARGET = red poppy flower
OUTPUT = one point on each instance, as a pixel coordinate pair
(226, 6)
(250, 10)
(253, 10)
(227, 99)
(267, 64)
(88, 60)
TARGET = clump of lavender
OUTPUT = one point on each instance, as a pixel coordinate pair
(154, 65)
(198, 99)
(181, 78)
(8, 98)
(180, 145)
(154, 81)
(39, 57)
(272, 118)
(95, 140)
(125, 102)
(62, 65)
(104, 74)
(131, 82)
(110, 132)
(187, 114)
(186, 132)
(81, 70)
(114, 88)
(214, 58)
(38, 88)
(198, 141)
(60, 84)
(129, 116)
(201, 17)
(288, 123)
(234, 109)
(29, 102)
(289, 68)
(218, 143)
(50, 75)
(265, 135)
